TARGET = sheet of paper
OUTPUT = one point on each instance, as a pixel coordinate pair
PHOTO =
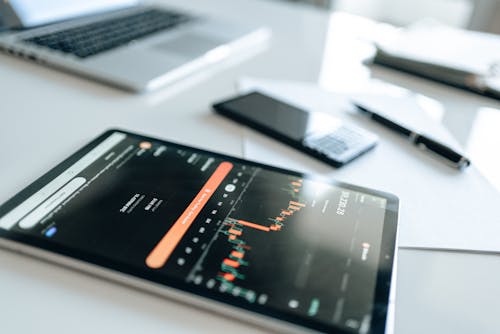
(440, 207)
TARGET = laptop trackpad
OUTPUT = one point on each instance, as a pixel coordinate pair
(188, 44)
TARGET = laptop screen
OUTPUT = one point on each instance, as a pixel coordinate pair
(33, 13)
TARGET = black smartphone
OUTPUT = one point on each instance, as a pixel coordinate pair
(318, 134)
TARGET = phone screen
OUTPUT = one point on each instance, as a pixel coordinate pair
(262, 239)
(280, 117)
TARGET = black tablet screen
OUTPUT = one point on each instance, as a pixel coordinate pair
(249, 234)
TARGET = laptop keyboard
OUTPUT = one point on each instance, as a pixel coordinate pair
(93, 38)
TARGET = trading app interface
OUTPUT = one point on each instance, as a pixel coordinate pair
(310, 249)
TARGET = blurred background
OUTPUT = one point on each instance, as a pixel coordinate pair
(480, 15)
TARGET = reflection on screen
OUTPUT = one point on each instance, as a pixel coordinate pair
(254, 235)
(37, 12)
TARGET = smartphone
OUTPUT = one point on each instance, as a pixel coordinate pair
(265, 245)
(318, 134)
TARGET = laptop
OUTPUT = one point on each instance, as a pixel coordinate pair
(124, 43)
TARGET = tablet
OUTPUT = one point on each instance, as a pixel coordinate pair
(271, 246)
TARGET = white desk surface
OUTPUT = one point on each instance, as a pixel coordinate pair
(46, 115)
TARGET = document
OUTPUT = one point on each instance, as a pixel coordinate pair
(440, 207)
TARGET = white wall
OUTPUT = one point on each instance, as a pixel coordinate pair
(404, 12)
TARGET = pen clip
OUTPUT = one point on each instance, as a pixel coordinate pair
(413, 137)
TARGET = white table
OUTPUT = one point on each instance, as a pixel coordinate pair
(46, 115)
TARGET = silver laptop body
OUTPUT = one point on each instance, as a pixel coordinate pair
(142, 64)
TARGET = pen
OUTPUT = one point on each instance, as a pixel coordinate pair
(452, 157)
